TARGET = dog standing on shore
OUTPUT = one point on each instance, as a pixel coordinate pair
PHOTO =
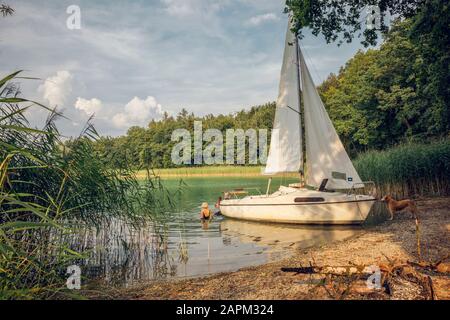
(396, 206)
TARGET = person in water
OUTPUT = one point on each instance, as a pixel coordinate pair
(217, 206)
(205, 214)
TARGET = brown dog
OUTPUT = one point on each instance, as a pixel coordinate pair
(395, 206)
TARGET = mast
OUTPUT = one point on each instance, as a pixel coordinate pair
(301, 115)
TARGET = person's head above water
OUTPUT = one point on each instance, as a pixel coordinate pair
(205, 205)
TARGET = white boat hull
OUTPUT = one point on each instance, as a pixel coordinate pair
(290, 205)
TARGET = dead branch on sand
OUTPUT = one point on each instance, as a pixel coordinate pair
(341, 281)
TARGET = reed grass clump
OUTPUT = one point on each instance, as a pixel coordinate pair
(47, 186)
(407, 170)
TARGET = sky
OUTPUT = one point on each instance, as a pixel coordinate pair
(131, 61)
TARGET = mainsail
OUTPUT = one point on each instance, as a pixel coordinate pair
(285, 154)
(326, 157)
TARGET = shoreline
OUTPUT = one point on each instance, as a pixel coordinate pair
(388, 244)
(211, 171)
(204, 175)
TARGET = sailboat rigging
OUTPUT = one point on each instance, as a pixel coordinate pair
(318, 149)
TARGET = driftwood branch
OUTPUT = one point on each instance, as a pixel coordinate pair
(332, 270)
(393, 268)
(440, 266)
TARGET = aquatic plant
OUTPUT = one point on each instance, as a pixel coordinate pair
(412, 169)
(47, 186)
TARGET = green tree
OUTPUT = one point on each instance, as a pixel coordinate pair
(342, 20)
(382, 97)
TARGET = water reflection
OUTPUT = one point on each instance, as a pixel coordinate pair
(277, 238)
(123, 255)
(178, 244)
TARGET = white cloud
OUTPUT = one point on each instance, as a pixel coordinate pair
(57, 88)
(257, 20)
(138, 112)
(185, 8)
(179, 8)
(173, 49)
(88, 106)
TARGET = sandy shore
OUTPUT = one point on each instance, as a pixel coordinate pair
(390, 243)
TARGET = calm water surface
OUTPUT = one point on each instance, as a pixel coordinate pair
(179, 245)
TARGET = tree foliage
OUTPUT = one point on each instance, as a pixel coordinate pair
(151, 147)
(392, 94)
(342, 20)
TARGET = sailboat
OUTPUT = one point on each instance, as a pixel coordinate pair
(326, 193)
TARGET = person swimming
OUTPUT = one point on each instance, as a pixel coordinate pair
(205, 213)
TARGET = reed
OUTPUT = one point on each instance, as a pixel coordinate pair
(47, 186)
(408, 170)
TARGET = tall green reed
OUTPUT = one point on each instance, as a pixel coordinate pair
(47, 186)
(413, 169)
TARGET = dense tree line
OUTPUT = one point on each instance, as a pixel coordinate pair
(151, 147)
(381, 97)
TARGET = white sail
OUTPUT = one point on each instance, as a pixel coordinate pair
(285, 154)
(326, 157)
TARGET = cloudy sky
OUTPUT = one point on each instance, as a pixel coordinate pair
(133, 60)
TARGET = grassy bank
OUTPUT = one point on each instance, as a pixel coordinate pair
(208, 171)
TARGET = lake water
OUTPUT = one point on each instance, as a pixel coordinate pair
(179, 245)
